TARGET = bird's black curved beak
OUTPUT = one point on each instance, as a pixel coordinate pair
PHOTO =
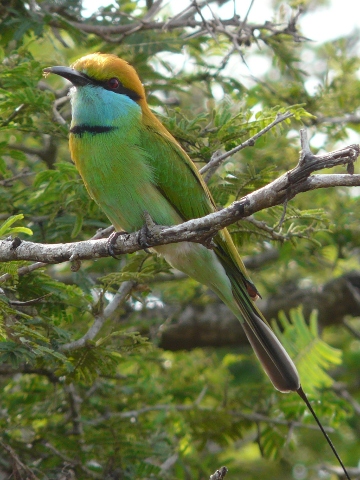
(76, 78)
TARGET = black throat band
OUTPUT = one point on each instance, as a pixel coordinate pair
(80, 130)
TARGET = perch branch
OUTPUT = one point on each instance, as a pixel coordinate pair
(283, 189)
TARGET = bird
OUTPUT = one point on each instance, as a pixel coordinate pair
(131, 165)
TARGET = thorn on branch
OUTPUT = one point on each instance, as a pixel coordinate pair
(350, 168)
(305, 153)
(103, 232)
(208, 242)
(219, 474)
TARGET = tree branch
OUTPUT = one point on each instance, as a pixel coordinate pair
(112, 307)
(70, 461)
(251, 417)
(17, 463)
(219, 474)
(281, 190)
(216, 159)
(338, 471)
(243, 31)
(213, 324)
(343, 120)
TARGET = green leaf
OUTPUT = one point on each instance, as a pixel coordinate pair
(7, 229)
(312, 356)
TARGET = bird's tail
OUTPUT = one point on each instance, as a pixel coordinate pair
(272, 355)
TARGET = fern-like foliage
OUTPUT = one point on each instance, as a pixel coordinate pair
(313, 357)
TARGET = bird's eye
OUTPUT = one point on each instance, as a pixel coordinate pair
(113, 83)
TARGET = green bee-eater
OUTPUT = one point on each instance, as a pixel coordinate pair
(131, 164)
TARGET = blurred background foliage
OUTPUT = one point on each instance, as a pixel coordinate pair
(122, 407)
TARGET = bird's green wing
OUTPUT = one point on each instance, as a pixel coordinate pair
(179, 181)
(176, 175)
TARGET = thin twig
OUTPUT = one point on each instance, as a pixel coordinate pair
(270, 230)
(351, 329)
(109, 311)
(215, 161)
(7, 182)
(354, 472)
(342, 392)
(23, 271)
(75, 402)
(338, 120)
(17, 110)
(252, 417)
(70, 461)
(58, 103)
(15, 458)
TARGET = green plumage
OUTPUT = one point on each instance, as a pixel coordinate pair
(131, 164)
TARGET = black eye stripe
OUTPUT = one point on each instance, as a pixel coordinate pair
(120, 89)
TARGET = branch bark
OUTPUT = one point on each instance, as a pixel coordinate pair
(243, 31)
(281, 190)
(219, 474)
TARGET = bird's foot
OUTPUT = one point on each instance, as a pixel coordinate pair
(148, 231)
(112, 241)
(208, 242)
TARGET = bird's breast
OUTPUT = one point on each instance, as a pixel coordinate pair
(118, 176)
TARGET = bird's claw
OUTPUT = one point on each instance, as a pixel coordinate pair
(148, 231)
(208, 242)
(143, 238)
(112, 241)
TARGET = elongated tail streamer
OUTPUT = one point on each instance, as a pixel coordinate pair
(303, 396)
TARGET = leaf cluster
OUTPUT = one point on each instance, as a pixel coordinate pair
(119, 407)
